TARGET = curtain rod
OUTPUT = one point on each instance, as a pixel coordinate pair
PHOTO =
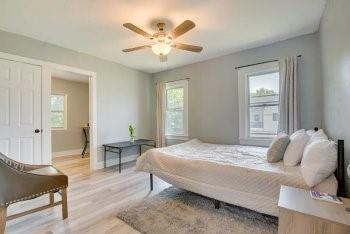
(270, 61)
(174, 80)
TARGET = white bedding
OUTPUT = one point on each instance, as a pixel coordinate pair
(235, 174)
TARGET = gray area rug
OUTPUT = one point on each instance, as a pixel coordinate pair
(178, 211)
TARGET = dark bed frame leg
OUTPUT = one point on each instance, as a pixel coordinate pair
(217, 204)
(151, 181)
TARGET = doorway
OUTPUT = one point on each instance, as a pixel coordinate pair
(42, 129)
(70, 124)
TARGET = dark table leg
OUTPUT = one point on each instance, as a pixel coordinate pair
(84, 150)
(120, 160)
(151, 181)
(86, 142)
(104, 157)
(140, 149)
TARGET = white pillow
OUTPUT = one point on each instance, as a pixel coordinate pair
(310, 132)
(318, 135)
(319, 161)
(295, 149)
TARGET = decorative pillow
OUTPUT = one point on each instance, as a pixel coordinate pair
(277, 148)
(319, 161)
(319, 135)
(295, 148)
(310, 132)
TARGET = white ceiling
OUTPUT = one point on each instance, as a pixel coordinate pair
(222, 27)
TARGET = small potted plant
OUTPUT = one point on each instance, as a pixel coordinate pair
(132, 133)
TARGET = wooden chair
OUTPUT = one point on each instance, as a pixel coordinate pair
(20, 182)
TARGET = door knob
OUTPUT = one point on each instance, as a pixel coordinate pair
(36, 130)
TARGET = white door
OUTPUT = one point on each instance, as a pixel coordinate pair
(20, 111)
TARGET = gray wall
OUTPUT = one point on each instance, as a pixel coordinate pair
(123, 94)
(213, 94)
(335, 49)
(77, 114)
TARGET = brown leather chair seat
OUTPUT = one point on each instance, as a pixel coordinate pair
(20, 182)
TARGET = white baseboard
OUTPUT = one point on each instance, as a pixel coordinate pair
(115, 161)
(67, 153)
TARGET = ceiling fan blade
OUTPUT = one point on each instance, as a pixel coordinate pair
(137, 30)
(186, 26)
(191, 48)
(136, 48)
(163, 58)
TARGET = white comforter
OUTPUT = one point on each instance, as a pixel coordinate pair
(235, 174)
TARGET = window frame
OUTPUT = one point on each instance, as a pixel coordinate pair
(172, 85)
(243, 101)
(64, 111)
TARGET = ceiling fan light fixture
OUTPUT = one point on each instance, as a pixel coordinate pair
(163, 41)
(161, 48)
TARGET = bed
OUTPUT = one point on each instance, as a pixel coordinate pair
(236, 174)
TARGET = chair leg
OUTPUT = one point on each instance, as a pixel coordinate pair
(64, 204)
(3, 214)
(52, 198)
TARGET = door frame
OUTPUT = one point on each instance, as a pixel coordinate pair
(47, 68)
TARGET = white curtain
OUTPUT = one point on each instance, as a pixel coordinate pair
(288, 100)
(160, 112)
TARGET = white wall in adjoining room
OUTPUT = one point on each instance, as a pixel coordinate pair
(77, 95)
(213, 94)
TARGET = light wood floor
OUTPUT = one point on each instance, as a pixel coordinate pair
(94, 200)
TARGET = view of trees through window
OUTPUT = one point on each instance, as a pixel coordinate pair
(263, 104)
(57, 111)
(175, 111)
(263, 92)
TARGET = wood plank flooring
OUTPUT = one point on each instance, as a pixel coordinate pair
(94, 200)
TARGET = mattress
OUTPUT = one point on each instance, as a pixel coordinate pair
(236, 174)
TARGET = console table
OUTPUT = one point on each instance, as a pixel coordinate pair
(118, 148)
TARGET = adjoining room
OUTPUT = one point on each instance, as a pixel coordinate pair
(70, 119)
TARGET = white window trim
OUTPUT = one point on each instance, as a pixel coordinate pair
(65, 112)
(243, 91)
(177, 84)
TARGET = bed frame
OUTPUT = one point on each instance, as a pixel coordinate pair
(339, 173)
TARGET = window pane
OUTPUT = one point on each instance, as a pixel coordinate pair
(174, 123)
(263, 104)
(57, 102)
(175, 98)
(57, 119)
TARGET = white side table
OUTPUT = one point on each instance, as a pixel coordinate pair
(299, 214)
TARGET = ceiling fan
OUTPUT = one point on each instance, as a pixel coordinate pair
(163, 42)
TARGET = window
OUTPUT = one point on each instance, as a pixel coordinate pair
(176, 119)
(258, 103)
(256, 118)
(275, 117)
(58, 111)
